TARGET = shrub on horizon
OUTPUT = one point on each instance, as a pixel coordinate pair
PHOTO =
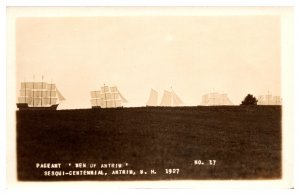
(249, 100)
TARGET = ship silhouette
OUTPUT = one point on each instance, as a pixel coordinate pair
(107, 97)
(216, 99)
(169, 99)
(39, 96)
(269, 100)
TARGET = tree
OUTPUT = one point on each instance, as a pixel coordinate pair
(249, 100)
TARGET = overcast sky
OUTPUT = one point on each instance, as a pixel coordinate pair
(195, 55)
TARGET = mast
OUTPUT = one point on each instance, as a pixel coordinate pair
(213, 96)
(25, 90)
(223, 97)
(33, 91)
(50, 91)
(214, 99)
(175, 100)
(42, 91)
(152, 100)
(114, 100)
(172, 99)
(122, 98)
(96, 98)
(105, 96)
(166, 99)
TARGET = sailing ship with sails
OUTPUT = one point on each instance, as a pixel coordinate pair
(169, 98)
(269, 100)
(216, 99)
(39, 96)
(107, 97)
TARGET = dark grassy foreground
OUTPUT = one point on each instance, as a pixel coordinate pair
(244, 141)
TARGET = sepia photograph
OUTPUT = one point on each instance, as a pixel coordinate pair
(199, 94)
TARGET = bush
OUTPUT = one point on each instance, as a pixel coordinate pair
(249, 100)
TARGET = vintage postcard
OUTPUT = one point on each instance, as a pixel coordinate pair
(167, 96)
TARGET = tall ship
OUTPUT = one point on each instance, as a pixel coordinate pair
(216, 99)
(107, 97)
(169, 99)
(269, 100)
(39, 96)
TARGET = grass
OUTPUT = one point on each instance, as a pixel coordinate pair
(245, 141)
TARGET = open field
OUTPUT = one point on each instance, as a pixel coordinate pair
(245, 141)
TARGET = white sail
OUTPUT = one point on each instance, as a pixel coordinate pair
(116, 96)
(26, 93)
(118, 103)
(93, 94)
(261, 100)
(22, 100)
(277, 100)
(110, 104)
(107, 97)
(27, 85)
(166, 99)
(105, 89)
(224, 100)
(53, 101)
(176, 100)
(153, 98)
(205, 100)
(114, 89)
(46, 94)
(36, 101)
(102, 96)
(269, 100)
(39, 94)
(36, 85)
(51, 86)
(98, 94)
(52, 93)
(94, 102)
(24, 85)
(103, 103)
(123, 98)
(60, 97)
(46, 101)
(228, 101)
(215, 99)
(40, 85)
(27, 100)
